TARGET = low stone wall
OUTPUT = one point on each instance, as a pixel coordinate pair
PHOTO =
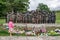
(35, 25)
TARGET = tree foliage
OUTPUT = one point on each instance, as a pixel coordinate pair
(42, 6)
(13, 5)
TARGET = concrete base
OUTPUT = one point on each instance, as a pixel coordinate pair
(34, 25)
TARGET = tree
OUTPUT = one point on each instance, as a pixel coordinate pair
(42, 6)
(18, 5)
(2, 8)
(13, 5)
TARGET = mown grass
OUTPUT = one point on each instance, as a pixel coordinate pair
(5, 33)
(57, 17)
(2, 21)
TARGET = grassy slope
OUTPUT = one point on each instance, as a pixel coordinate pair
(2, 21)
(57, 17)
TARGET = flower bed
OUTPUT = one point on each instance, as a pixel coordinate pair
(27, 31)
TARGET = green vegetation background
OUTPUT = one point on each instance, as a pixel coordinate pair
(58, 17)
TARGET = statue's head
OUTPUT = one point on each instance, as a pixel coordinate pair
(11, 19)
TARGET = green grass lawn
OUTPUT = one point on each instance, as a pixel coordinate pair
(5, 33)
(57, 17)
(2, 21)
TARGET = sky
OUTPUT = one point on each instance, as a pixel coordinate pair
(52, 4)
